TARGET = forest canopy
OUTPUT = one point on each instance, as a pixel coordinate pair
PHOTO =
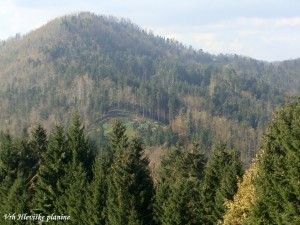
(103, 122)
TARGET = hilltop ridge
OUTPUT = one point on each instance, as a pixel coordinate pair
(95, 65)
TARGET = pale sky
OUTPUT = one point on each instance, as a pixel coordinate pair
(262, 29)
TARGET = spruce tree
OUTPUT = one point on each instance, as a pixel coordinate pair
(142, 187)
(80, 146)
(178, 200)
(15, 200)
(8, 157)
(278, 177)
(118, 139)
(15, 161)
(97, 189)
(16, 156)
(179, 205)
(130, 188)
(26, 158)
(38, 145)
(220, 183)
(73, 192)
(53, 167)
(73, 185)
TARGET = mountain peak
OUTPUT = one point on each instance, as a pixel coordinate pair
(102, 66)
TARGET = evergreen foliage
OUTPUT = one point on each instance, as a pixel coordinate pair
(130, 188)
(59, 174)
(38, 144)
(97, 190)
(8, 156)
(103, 67)
(277, 182)
(15, 200)
(14, 195)
(79, 146)
(220, 182)
(26, 158)
(118, 139)
(73, 190)
(53, 167)
(178, 199)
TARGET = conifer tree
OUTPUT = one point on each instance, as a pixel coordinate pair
(14, 162)
(179, 205)
(118, 139)
(220, 183)
(97, 190)
(97, 193)
(73, 185)
(53, 167)
(8, 157)
(16, 201)
(72, 200)
(25, 158)
(178, 199)
(278, 177)
(143, 185)
(130, 188)
(63, 174)
(38, 145)
(80, 146)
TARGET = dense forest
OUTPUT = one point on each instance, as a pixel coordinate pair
(162, 133)
(104, 68)
(61, 177)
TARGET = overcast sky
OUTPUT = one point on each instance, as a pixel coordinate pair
(262, 29)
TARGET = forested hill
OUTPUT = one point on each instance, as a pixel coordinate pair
(104, 67)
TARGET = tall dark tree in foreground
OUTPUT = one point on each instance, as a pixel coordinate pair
(74, 183)
(220, 183)
(97, 190)
(63, 174)
(15, 201)
(80, 146)
(73, 197)
(8, 157)
(178, 199)
(278, 179)
(130, 188)
(38, 144)
(52, 169)
(14, 193)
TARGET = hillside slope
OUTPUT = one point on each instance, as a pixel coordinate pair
(98, 65)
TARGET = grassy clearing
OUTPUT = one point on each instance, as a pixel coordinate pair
(150, 131)
(133, 127)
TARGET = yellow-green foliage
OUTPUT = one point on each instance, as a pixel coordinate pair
(238, 209)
